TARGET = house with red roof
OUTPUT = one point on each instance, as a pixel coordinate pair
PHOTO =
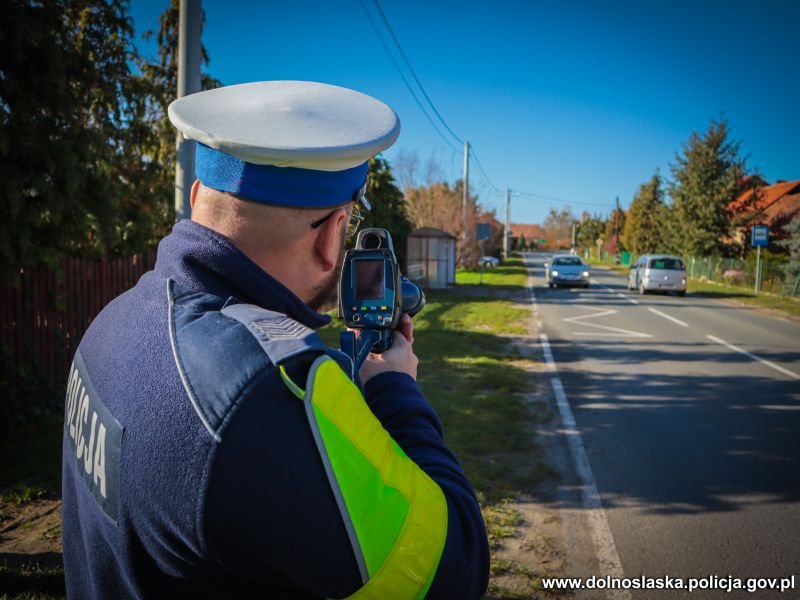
(772, 205)
(531, 233)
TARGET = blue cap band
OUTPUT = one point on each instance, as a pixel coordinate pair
(283, 186)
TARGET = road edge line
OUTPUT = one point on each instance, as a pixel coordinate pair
(603, 539)
(599, 530)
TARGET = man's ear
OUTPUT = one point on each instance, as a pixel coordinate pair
(328, 243)
(193, 193)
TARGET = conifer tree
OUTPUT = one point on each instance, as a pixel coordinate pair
(644, 231)
(86, 151)
(64, 68)
(706, 177)
(388, 206)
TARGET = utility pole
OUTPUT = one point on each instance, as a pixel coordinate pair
(507, 231)
(464, 206)
(189, 56)
(573, 249)
(616, 225)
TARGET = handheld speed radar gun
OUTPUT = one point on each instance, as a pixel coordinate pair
(373, 294)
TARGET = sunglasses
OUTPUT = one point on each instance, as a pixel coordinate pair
(355, 216)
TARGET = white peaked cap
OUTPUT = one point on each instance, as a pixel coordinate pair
(298, 124)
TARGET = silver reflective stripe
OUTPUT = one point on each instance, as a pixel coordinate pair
(334, 483)
(184, 380)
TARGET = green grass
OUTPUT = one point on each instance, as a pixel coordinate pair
(474, 382)
(624, 269)
(511, 274)
(720, 291)
(31, 581)
(478, 387)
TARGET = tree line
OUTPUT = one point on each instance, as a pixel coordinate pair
(88, 157)
(88, 152)
(707, 176)
(432, 201)
(688, 214)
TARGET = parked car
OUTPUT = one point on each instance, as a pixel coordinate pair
(658, 273)
(566, 269)
(489, 261)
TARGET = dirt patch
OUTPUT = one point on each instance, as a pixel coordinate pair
(30, 549)
(537, 549)
(33, 527)
(535, 543)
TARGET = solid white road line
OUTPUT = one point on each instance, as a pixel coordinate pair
(603, 540)
(768, 363)
(669, 318)
(534, 307)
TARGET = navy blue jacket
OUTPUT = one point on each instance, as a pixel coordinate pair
(222, 493)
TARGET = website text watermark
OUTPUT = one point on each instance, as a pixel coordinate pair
(690, 584)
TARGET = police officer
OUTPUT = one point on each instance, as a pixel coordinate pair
(213, 446)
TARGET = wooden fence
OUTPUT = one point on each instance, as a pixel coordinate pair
(44, 316)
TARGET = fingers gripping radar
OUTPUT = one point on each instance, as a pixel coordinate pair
(373, 294)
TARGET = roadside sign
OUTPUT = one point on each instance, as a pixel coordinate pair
(760, 237)
(483, 231)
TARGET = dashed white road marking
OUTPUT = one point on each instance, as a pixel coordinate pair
(602, 538)
(768, 363)
(668, 317)
(621, 295)
(607, 330)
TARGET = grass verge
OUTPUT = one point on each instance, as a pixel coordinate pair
(510, 276)
(720, 291)
(480, 388)
(31, 581)
(710, 289)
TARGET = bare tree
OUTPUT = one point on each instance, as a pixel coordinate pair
(558, 227)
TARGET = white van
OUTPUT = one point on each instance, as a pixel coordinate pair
(658, 273)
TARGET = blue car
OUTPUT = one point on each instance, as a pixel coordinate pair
(566, 269)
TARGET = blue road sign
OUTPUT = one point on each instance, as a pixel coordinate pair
(760, 236)
(483, 231)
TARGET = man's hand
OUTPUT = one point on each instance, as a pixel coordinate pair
(400, 357)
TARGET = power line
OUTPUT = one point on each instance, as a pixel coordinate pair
(403, 77)
(497, 204)
(407, 62)
(485, 176)
(413, 73)
(561, 200)
(421, 87)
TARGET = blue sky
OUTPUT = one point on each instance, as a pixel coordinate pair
(576, 102)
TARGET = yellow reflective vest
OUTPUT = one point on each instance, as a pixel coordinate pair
(394, 513)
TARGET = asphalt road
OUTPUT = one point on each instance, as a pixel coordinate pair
(694, 445)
